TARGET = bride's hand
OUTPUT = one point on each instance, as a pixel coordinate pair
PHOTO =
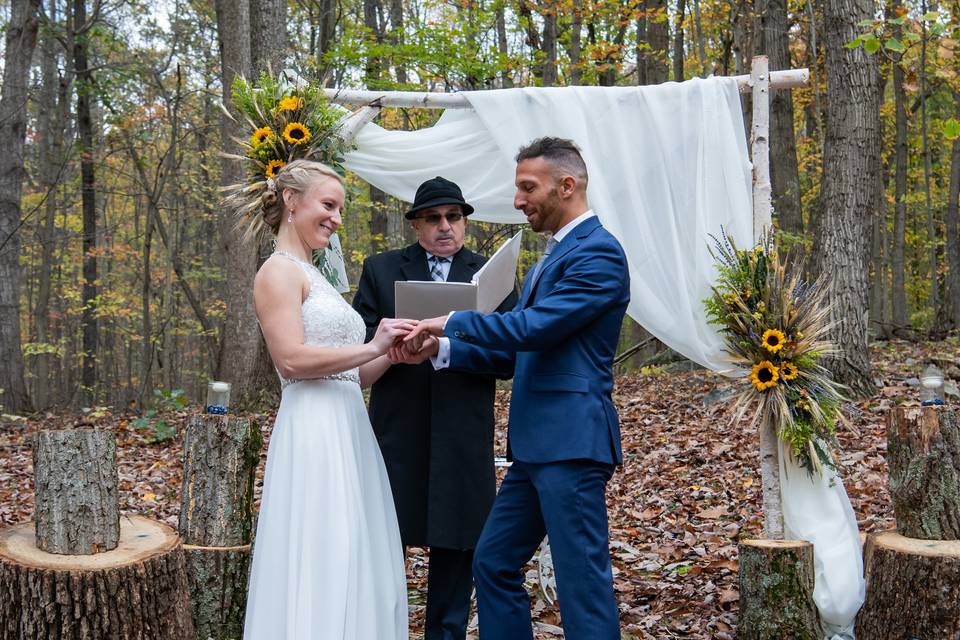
(408, 353)
(390, 331)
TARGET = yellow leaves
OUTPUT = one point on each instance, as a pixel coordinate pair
(149, 497)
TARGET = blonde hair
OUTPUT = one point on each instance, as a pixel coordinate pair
(264, 207)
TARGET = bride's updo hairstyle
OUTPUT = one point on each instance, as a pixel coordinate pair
(297, 176)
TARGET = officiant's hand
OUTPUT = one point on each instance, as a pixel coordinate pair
(415, 351)
(390, 331)
(431, 326)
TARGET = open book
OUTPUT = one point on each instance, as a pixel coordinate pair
(489, 287)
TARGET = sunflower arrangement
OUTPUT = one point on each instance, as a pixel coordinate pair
(286, 121)
(775, 324)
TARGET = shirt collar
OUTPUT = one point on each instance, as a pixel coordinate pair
(567, 228)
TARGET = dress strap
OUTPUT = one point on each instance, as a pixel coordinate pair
(310, 269)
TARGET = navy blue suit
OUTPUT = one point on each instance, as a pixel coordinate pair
(564, 435)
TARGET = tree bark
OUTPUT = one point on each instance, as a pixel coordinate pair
(220, 457)
(913, 589)
(898, 265)
(88, 196)
(952, 228)
(75, 488)
(218, 589)
(776, 591)
(773, 41)
(923, 454)
(21, 39)
(653, 40)
(851, 166)
(678, 42)
(268, 35)
(134, 592)
(240, 334)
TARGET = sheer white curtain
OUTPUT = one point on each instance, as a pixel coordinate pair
(668, 167)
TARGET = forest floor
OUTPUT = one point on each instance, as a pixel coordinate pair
(688, 490)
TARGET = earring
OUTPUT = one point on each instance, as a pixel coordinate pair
(290, 216)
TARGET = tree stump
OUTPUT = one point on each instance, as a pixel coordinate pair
(923, 453)
(220, 460)
(776, 591)
(218, 589)
(913, 589)
(137, 591)
(75, 488)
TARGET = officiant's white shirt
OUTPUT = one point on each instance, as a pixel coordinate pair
(442, 359)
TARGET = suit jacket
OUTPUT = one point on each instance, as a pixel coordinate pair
(559, 342)
(435, 428)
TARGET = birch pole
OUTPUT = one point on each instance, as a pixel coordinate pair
(762, 220)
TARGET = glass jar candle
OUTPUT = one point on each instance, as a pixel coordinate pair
(218, 397)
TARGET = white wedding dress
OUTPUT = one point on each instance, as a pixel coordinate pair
(327, 557)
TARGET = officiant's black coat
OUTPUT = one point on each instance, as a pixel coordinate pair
(435, 428)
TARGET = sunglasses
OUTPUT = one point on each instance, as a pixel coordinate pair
(434, 218)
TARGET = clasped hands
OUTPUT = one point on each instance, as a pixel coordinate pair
(410, 341)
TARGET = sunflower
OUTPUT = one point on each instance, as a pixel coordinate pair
(773, 339)
(788, 371)
(291, 103)
(261, 135)
(296, 133)
(272, 167)
(764, 375)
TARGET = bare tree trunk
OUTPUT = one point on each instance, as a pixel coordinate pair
(952, 222)
(678, 42)
(653, 40)
(931, 226)
(397, 37)
(550, 45)
(773, 41)
(88, 194)
(268, 35)
(501, 19)
(851, 163)
(240, 338)
(898, 266)
(52, 164)
(21, 38)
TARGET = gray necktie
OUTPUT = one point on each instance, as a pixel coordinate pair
(436, 268)
(551, 245)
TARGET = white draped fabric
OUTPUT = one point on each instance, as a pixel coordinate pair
(668, 167)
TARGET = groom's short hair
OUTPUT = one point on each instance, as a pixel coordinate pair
(563, 154)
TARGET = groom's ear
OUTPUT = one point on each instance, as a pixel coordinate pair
(567, 186)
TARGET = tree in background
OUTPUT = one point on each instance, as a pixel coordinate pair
(21, 39)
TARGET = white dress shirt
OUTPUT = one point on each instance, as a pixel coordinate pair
(442, 359)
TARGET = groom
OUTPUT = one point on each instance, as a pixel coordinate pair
(559, 342)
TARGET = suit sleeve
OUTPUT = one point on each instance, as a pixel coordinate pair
(470, 358)
(365, 300)
(592, 282)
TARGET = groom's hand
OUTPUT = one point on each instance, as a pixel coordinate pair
(415, 351)
(432, 326)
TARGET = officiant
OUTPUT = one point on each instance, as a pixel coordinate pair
(435, 428)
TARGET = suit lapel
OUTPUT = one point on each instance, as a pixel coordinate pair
(415, 263)
(568, 244)
(465, 264)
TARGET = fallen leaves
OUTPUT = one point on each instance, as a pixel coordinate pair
(688, 490)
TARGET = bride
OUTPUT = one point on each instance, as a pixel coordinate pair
(327, 562)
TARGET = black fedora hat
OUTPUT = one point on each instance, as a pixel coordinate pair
(435, 192)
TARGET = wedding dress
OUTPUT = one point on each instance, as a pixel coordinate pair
(327, 557)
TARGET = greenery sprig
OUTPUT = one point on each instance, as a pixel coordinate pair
(775, 326)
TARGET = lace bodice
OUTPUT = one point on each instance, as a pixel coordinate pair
(328, 320)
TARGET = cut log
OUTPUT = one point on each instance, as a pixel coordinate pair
(923, 453)
(913, 588)
(134, 592)
(776, 591)
(220, 457)
(218, 589)
(75, 489)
